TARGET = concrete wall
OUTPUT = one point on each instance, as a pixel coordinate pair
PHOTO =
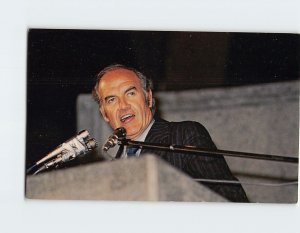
(259, 119)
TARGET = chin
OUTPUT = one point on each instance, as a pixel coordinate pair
(130, 130)
(131, 135)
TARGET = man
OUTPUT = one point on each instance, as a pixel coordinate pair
(125, 100)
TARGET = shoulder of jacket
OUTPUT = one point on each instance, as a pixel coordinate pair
(187, 124)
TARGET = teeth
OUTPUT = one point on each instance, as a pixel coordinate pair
(123, 118)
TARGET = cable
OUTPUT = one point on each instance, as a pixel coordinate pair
(247, 183)
(31, 168)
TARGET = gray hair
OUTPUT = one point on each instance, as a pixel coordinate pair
(146, 83)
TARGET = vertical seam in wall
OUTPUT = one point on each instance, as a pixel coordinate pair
(152, 178)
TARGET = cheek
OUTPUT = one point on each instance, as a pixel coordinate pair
(110, 114)
(141, 105)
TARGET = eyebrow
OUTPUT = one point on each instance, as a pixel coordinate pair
(130, 89)
(127, 90)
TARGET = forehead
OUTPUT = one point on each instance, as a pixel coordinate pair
(118, 78)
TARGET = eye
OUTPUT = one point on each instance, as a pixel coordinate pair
(110, 100)
(131, 93)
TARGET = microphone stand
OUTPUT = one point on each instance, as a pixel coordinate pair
(202, 151)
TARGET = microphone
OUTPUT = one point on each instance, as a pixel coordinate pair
(118, 133)
(78, 145)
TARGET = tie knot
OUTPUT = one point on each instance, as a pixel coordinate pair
(131, 151)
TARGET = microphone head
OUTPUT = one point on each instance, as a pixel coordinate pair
(91, 144)
(120, 132)
(83, 136)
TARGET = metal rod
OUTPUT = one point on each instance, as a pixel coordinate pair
(196, 150)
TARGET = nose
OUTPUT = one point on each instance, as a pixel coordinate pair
(123, 104)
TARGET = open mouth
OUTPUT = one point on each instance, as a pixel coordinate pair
(127, 118)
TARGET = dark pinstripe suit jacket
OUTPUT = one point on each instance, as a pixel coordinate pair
(193, 133)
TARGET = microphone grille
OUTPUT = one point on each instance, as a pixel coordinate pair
(91, 144)
(120, 132)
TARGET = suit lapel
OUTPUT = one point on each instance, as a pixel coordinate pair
(159, 133)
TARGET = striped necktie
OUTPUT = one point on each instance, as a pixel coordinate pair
(131, 151)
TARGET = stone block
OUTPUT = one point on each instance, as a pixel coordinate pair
(145, 178)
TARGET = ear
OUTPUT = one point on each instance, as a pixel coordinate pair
(102, 111)
(150, 102)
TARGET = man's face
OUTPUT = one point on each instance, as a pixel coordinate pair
(123, 102)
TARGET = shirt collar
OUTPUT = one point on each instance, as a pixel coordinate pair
(143, 136)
